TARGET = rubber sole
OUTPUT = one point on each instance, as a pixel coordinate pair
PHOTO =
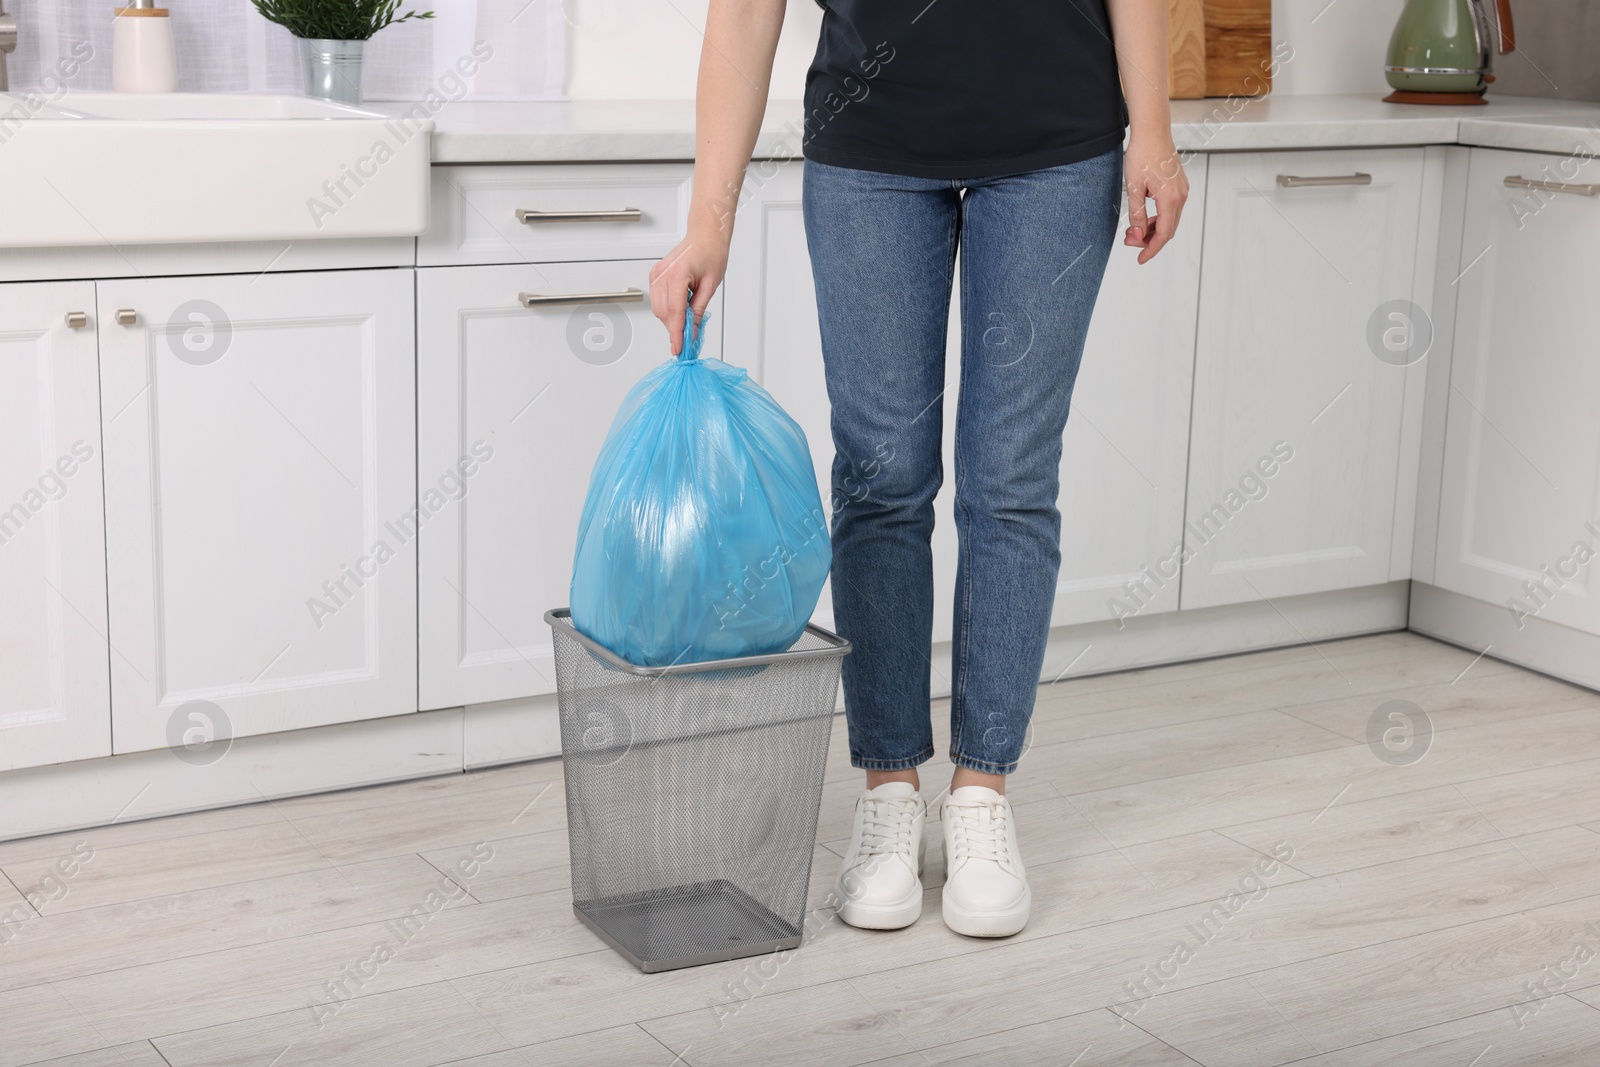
(880, 916)
(894, 916)
(1002, 923)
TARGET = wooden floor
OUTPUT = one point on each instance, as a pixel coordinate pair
(1434, 911)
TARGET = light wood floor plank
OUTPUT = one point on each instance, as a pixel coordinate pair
(116, 835)
(1112, 964)
(1307, 783)
(1093, 1039)
(1564, 1032)
(1280, 685)
(407, 1028)
(238, 984)
(1473, 701)
(526, 864)
(426, 823)
(830, 1025)
(1523, 801)
(193, 923)
(137, 1054)
(159, 868)
(40, 1024)
(1384, 990)
(623, 1046)
(1138, 756)
(1367, 832)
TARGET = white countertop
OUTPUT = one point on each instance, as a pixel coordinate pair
(636, 130)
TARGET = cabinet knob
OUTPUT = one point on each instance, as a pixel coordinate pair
(77, 320)
(127, 316)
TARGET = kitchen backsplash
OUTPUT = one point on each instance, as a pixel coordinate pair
(225, 46)
(1557, 41)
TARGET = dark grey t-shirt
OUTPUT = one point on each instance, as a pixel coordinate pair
(962, 88)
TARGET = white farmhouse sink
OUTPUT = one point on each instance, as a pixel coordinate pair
(162, 168)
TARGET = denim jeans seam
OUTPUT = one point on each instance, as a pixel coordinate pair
(958, 694)
(982, 766)
(904, 764)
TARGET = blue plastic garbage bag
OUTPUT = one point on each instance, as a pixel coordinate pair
(703, 535)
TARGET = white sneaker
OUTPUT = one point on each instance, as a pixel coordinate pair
(986, 890)
(880, 884)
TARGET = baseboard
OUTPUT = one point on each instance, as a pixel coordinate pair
(1538, 644)
(1202, 633)
(146, 785)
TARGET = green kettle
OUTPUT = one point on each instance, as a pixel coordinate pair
(1441, 51)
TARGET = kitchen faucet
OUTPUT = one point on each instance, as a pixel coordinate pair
(8, 42)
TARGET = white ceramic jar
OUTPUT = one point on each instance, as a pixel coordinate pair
(142, 56)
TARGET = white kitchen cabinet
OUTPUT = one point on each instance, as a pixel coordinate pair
(260, 496)
(54, 689)
(1518, 518)
(1123, 462)
(1125, 454)
(524, 395)
(1297, 423)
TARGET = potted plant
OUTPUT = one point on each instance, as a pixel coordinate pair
(332, 33)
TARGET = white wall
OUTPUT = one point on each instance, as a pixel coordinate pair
(1338, 46)
(650, 49)
(631, 49)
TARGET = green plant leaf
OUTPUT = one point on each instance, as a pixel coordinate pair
(335, 20)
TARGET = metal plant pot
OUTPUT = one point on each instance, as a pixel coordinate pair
(333, 69)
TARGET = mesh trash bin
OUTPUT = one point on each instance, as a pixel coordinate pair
(692, 794)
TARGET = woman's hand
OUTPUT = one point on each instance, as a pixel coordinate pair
(686, 279)
(1153, 171)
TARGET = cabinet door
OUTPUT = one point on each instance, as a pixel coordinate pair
(1124, 456)
(522, 398)
(260, 502)
(54, 690)
(1521, 486)
(1297, 422)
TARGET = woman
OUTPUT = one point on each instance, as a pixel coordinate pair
(934, 127)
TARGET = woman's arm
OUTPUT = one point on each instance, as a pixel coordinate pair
(735, 70)
(1151, 166)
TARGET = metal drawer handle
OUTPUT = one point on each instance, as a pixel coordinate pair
(1519, 182)
(626, 214)
(626, 296)
(1295, 181)
(127, 317)
(77, 320)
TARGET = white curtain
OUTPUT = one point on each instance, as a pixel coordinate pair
(516, 49)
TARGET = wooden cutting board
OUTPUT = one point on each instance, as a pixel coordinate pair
(1186, 49)
(1238, 47)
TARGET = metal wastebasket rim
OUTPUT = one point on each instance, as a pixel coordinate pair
(837, 646)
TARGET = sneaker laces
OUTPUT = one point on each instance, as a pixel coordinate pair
(979, 833)
(886, 826)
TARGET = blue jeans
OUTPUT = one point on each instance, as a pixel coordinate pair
(1033, 248)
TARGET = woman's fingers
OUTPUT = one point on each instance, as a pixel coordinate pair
(1138, 219)
(669, 297)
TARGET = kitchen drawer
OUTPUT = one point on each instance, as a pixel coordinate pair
(476, 213)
